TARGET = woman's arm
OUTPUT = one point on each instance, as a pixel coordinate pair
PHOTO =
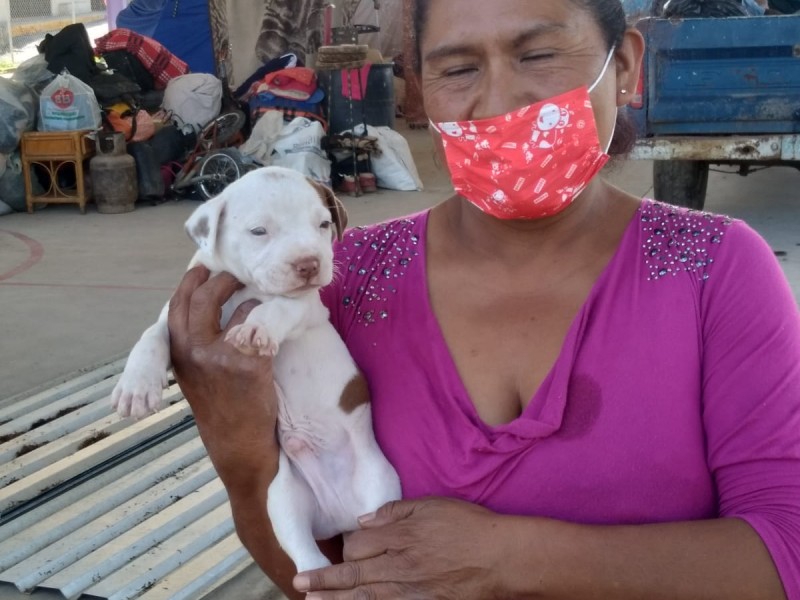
(235, 407)
(437, 548)
(722, 558)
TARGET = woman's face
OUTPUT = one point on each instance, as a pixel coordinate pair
(482, 58)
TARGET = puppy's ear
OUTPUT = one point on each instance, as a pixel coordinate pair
(205, 224)
(334, 205)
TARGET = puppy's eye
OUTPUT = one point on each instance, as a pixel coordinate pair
(258, 231)
(325, 225)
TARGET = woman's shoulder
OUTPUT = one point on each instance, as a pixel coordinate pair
(679, 240)
(731, 262)
(369, 260)
(387, 237)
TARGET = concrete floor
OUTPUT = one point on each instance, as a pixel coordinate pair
(77, 290)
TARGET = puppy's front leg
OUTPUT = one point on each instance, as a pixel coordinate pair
(269, 324)
(138, 391)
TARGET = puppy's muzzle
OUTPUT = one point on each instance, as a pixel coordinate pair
(306, 268)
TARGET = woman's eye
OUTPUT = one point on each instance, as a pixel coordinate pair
(258, 231)
(325, 225)
(460, 71)
(536, 57)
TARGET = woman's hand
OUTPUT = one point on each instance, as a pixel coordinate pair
(432, 548)
(231, 394)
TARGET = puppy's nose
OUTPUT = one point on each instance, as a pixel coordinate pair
(307, 267)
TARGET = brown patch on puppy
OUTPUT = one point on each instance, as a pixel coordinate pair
(334, 205)
(354, 394)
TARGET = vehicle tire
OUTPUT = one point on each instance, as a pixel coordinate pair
(681, 182)
(224, 167)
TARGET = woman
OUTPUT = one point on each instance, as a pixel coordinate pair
(586, 395)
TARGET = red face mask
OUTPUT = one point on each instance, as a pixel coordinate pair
(530, 163)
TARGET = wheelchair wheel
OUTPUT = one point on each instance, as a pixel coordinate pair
(218, 171)
(224, 128)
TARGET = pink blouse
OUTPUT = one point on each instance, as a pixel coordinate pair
(676, 395)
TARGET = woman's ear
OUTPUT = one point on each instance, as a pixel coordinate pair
(628, 59)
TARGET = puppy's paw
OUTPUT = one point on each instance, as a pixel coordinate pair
(138, 392)
(252, 339)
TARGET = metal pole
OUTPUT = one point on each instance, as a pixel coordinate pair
(73, 12)
(10, 40)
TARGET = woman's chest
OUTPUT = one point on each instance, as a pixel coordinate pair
(504, 334)
(613, 431)
(611, 441)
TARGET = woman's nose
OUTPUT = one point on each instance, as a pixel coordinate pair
(501, 91)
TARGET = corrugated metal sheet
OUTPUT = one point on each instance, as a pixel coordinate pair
(94, 506)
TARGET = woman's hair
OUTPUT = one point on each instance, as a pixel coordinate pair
(609, 16)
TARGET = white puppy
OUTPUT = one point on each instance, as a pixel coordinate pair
(273, 229)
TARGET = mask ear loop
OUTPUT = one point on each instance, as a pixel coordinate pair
(605, 68)
(596, 83)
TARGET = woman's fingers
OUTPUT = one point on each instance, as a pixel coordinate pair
(349, 575)
(240, 314)
(377, 591)
(178, 317)
(206, 305)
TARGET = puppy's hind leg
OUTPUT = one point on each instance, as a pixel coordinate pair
(375, 482)
(291, 506)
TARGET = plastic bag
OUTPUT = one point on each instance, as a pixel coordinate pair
(194, 99)
(299, 147)
(260, 143)
(34, 73)
(17, 113)
(68, 104)
(394, 167)
(12, 184)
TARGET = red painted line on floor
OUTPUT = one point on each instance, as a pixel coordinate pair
(135, 288)
(35, 254)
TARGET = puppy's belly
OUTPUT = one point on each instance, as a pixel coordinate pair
(316, 433)
(324, 458)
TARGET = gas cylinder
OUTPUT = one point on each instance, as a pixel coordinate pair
(113, 175)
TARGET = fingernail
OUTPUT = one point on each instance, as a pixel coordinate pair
(313, 596)
(365, 519)
(301, 582)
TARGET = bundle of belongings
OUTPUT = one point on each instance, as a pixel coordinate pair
(118, 84)
(294, 91)
(286, 111)
(159, 62)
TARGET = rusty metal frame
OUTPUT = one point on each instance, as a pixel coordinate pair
(766, 148)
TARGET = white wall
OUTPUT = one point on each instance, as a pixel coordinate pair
(63, 8)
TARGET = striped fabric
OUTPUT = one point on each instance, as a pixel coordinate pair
(160, 62)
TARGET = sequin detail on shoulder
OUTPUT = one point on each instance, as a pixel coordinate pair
(379, 256)
(679, 240)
